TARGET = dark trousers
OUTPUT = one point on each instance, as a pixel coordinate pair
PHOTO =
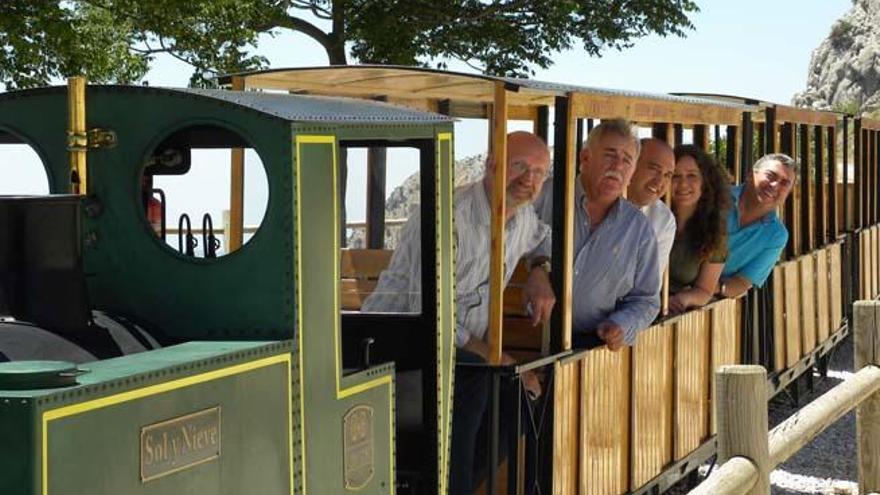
(469, 463)
(470, 400)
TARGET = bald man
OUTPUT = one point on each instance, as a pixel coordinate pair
(649, 182)
(399, 287)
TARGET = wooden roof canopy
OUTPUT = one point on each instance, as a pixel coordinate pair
(870, 124)
(784, 113)
(467, 95)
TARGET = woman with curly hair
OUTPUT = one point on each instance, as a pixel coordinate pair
(700, 200)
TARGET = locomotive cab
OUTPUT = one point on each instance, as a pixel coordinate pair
(250, 350)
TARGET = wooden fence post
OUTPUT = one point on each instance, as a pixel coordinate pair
(741, 416)
(867, 352)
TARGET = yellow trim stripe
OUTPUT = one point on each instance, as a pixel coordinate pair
(340, 392)
(438, 221)
(289, 389)
(304, 139)
(447, 136)
(140, 393)
(363, 387)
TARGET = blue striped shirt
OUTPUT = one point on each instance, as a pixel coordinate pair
(615, 266)
(399, 287)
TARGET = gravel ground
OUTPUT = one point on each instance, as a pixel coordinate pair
(828, 464)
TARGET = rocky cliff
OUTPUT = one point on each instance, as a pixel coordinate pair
(845, 69)
(405, 196)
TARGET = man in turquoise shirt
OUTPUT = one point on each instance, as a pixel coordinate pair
(756, 236)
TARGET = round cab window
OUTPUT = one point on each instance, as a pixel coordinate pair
(187, 193)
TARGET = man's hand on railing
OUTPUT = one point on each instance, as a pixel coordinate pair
(539, 295)
(531, 384)
(611, 334)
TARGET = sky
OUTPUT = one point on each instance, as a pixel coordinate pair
(759, 49)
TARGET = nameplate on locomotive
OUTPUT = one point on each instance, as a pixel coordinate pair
(179, 443)
(358, 447)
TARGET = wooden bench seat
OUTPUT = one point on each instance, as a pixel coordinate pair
(360, 270)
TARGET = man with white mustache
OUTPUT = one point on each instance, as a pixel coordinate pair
(616, 282)
(650, 181)
(755, 235)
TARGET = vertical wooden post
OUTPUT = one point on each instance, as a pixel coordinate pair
(670, 138)
(377, 159)
(666, 132)
(867, 352)
(236, 189)
(858, 180)
(573, 159)
(741, 415)
(565, 166)
(819, 193)
(806, 220)
(226, 227)
(499, 187)
(738, 146)
(541, 126)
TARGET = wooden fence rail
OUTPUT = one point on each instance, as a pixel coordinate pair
(747, 454)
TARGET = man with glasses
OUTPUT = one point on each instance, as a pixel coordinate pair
(755, 235)
(616, 282)
(398, 289)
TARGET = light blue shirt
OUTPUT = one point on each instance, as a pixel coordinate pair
(753, 250)
(399, 287)
(616, 273)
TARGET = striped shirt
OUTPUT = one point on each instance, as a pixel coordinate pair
(399, 287)
(615, 273)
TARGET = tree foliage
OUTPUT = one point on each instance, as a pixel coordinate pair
(115, 40)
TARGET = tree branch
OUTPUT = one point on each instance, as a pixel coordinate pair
(148, 50)
(319, 12)
(171, 51)
(305, 27)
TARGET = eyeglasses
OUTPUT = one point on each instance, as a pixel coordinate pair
(520, 168)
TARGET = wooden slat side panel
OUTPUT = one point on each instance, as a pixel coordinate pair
(869, 265)
(823, 301)
(692, 351)
(604, 428)
(791, 279)
(875, 261)
(808, 305)
(565, 428)
(872, 264)
(724, 347)
(836, 289)
(865, 260)
(738, 314)
(652, 382)
(778, 319)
